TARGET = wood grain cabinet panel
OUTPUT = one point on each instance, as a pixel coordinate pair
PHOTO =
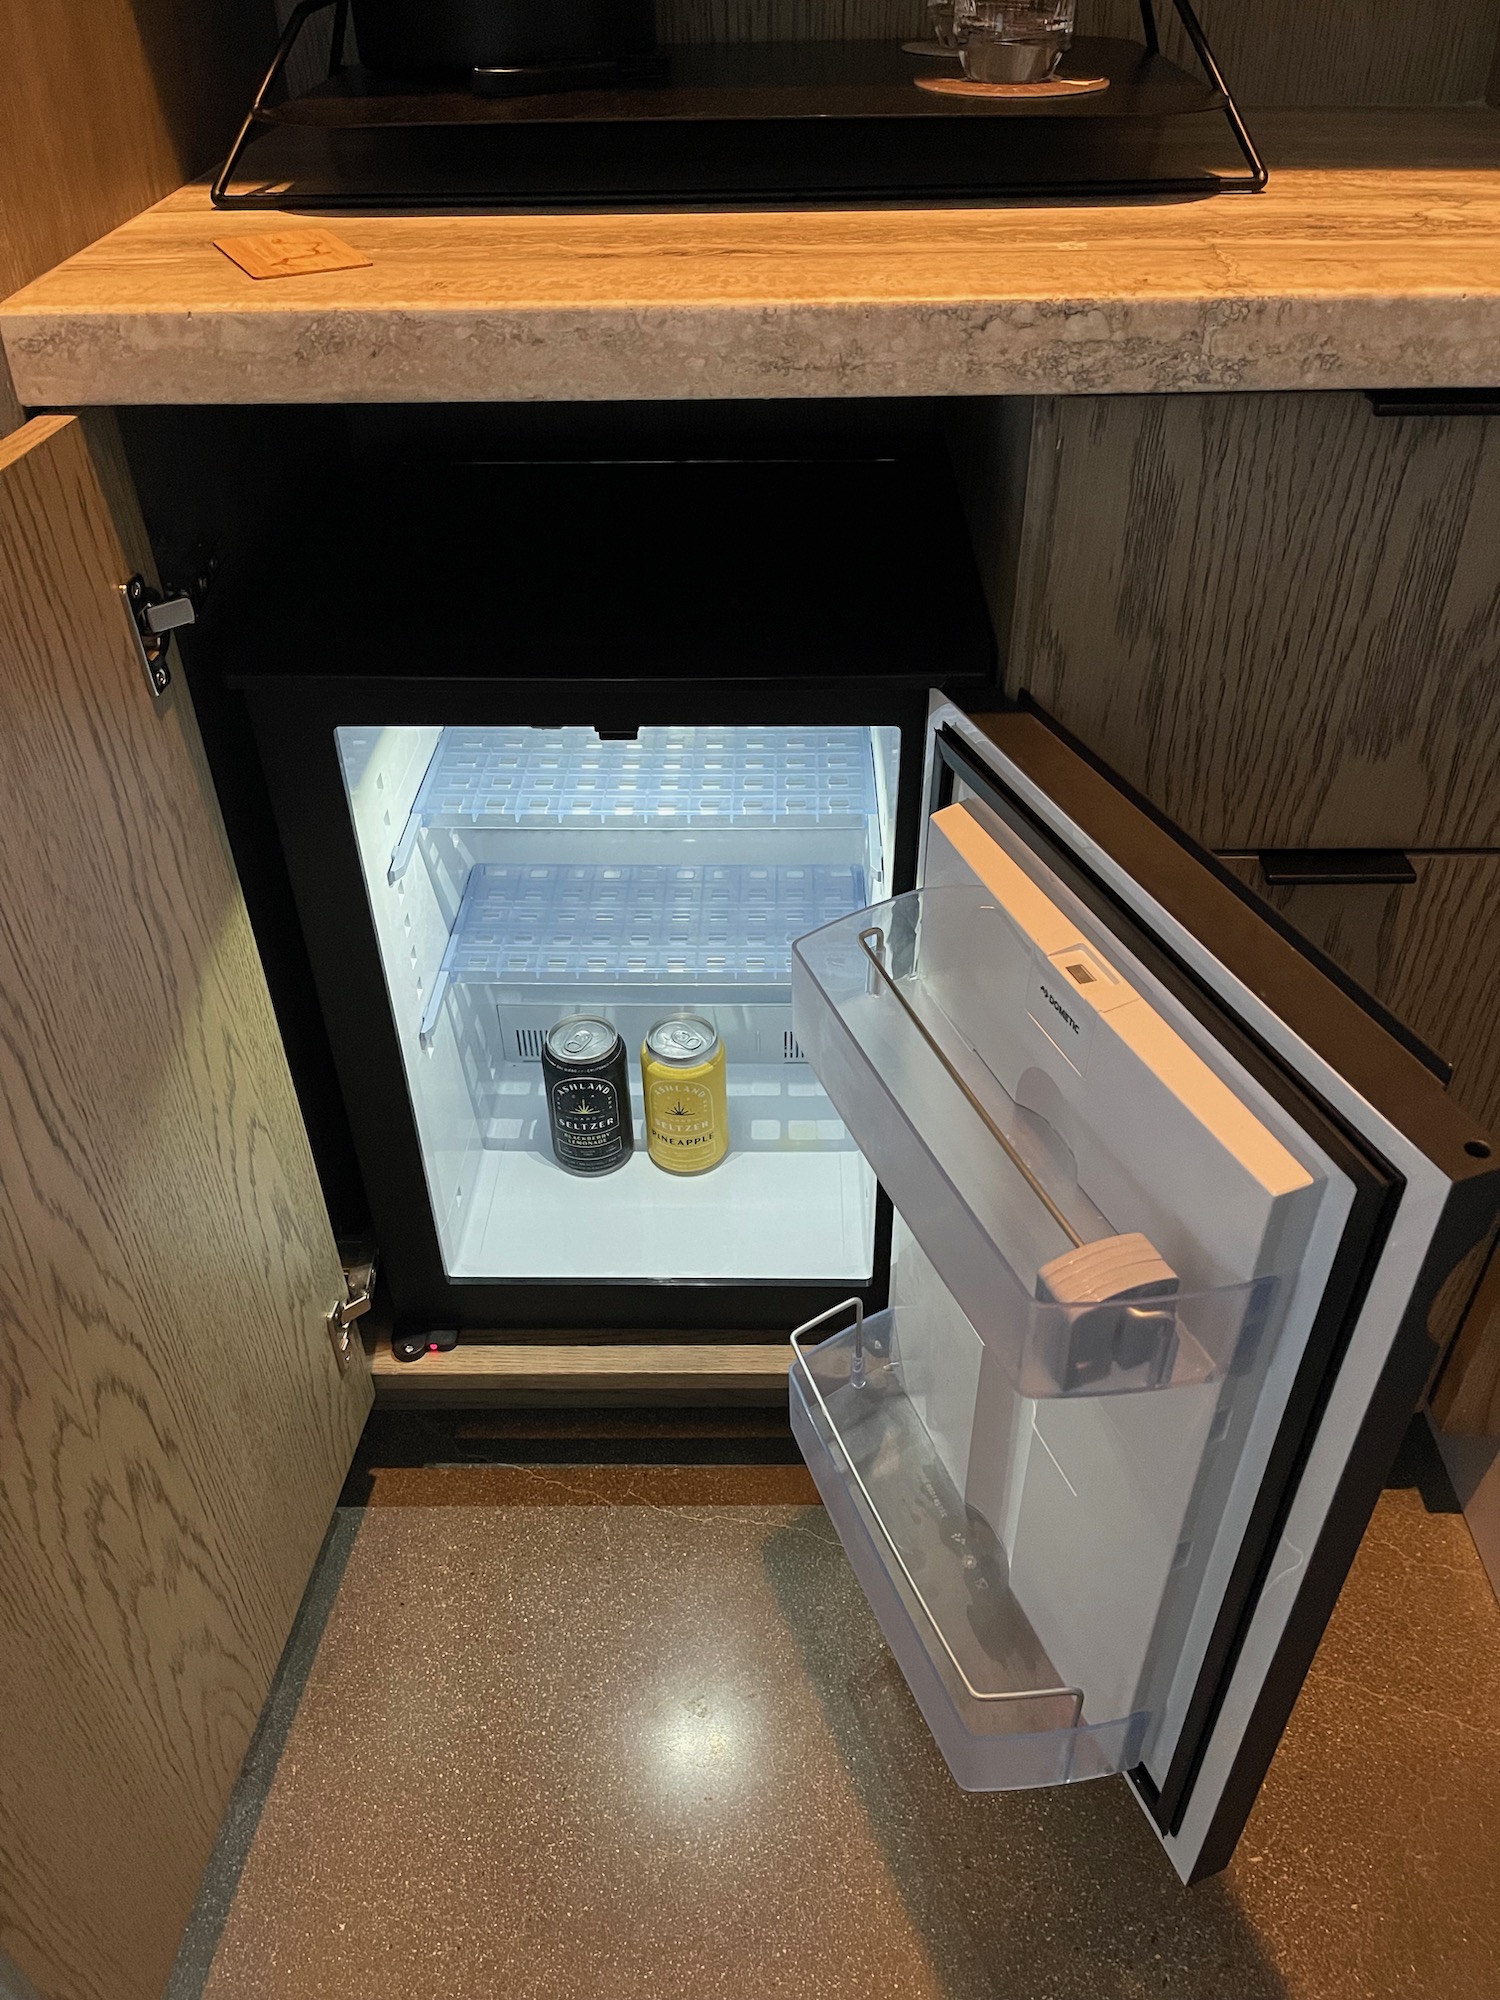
(1281, 52)
(1278, 615)
(105, 106)
(1327, 52)
(1466, 1395)
(1430, 952)
(174, 1426)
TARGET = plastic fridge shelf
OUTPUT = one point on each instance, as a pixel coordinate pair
(944, 1139)
(639, 925)
(664, 778)
(937, 1578)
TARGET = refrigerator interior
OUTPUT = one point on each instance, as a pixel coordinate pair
(519, 875)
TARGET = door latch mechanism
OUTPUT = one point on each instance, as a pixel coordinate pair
(153, 620)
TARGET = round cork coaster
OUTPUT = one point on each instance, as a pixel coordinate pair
(940, 50)
(1025, 93)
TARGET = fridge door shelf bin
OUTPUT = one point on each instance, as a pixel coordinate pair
(665, 779)
(971, 1174)
(936, 1575)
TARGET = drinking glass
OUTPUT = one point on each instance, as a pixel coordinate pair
(1013, 41)
(941, 23)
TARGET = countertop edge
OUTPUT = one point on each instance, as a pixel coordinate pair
(667, 351)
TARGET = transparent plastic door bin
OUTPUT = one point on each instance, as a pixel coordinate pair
(983, 1184)
(937, 1576)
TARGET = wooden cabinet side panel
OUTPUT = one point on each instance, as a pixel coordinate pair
(1284, 52)
(173, 1425)
(1279, 616)
(1328, 52)
(106, 106)
(1466, 1397)
(109, 106)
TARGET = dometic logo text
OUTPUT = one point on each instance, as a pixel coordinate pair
(1050, 1015)
(1058, 1008)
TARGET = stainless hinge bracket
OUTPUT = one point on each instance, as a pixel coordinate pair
(153, 620)
(359, 1287)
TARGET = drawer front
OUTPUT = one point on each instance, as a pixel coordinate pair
(1428, 950)
(1277, 615)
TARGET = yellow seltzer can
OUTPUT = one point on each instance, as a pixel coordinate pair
(687, 1101)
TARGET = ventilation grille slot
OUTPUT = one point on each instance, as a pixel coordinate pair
(791, 1048)
(529, 1043)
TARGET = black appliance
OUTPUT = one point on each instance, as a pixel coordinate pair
(636, 724)
(406, 37)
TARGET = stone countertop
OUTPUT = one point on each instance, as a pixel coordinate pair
(1373, 260)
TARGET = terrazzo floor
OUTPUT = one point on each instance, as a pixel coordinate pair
(630, 1730)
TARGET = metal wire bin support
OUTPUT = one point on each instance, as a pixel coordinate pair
(450, 105)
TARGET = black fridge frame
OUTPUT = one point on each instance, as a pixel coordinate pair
(294, 717)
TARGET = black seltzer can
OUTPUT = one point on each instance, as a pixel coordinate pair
(588, 1096)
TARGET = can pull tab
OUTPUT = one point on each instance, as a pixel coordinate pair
(686, 1040)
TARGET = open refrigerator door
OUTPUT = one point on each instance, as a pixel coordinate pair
(1177, 1224)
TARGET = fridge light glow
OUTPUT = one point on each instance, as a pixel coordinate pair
(518, 875)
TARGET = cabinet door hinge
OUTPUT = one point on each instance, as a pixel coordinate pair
(153, 620)
(359, 1291)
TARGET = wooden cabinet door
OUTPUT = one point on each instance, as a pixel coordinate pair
(174, 1424)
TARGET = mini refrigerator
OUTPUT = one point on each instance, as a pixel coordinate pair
(1115, 1231)
(589, 738)
(516, 875)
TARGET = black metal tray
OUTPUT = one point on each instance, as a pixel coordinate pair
(743, 123)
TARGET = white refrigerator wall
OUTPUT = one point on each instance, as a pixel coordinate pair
(793, 1201)
(412, 920)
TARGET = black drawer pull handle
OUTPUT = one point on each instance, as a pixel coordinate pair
(1434, 402)
(1336, 868)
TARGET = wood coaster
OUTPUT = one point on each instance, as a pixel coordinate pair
(1024, 93)
(941, 50)
(291, 253)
